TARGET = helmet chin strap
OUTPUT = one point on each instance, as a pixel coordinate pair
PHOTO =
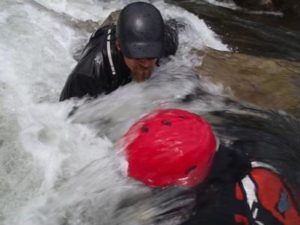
(157, 62)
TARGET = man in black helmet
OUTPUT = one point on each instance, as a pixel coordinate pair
(118, 54)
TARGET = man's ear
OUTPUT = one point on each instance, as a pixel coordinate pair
(118, 45)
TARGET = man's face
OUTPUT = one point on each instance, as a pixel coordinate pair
(141, 69)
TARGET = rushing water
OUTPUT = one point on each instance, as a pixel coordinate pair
(60, 170)
(262, 33)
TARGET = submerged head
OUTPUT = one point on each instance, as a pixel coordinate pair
(170, 147)
(140, 37)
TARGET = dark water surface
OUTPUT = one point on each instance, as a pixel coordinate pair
(269, 34)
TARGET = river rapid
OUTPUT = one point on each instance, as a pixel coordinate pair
(61, 170)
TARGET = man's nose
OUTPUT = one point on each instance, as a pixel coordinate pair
(146, 62)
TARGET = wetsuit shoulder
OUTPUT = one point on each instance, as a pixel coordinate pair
(215, 201)
(101, 68)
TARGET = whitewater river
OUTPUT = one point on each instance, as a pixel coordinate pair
(65, 171)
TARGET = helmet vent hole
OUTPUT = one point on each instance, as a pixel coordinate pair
(191, 169)
(144, 129)
(166, 122)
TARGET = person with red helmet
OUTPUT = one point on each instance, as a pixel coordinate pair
(174, 147)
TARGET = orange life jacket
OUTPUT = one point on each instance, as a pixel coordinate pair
(267, 197)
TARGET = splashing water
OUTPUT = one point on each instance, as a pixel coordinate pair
(56, 170)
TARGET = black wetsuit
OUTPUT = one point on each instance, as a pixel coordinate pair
(101, 68)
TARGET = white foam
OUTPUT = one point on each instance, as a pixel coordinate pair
(79, 9)
(196, 34)
(226, 4)
(48, 162)
(231, 5)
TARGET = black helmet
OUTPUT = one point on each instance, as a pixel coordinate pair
(140, 31)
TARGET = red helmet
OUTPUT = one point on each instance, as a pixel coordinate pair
(170, 147)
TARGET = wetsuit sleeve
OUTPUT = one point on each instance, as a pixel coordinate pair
(89, 77)
(79, 85)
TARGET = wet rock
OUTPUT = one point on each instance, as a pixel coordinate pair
(265, 82)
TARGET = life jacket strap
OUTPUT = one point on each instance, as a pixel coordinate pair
(108, 46)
